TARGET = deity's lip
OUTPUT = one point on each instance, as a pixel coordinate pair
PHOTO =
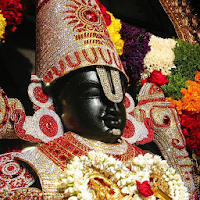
(110, 116)
(112, 121)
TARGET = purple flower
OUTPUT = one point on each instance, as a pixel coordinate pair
(135, 48)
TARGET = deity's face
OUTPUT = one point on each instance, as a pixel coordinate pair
(85, 110)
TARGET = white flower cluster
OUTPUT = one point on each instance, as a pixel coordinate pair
(154, 164)
(160, 57)
(74, 180)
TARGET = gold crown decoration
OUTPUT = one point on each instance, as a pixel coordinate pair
(71, 34)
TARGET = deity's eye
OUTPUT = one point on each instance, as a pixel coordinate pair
(91, 92)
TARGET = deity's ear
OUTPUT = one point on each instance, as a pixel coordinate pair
(45, 125)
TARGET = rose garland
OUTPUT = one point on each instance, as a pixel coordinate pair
(191, 130)
(12, 12)
(134, 183)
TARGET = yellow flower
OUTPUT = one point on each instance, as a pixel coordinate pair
(114, 29)
(119, 46)
(2, 25)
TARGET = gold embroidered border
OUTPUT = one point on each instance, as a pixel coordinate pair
(183, 20)
(46, 170)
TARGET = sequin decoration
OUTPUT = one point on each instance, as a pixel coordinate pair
(22, 194)
(7, 106)
(71, 144)
(71, 34)
(10, 131)
(45, 125)
(46, 170)
(4, 112)
(14, 174)
(135, 131)
(117, 96)
(183, 18)
(38, 97)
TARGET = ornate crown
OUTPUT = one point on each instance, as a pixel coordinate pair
(71, 34)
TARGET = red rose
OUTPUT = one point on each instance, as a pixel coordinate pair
(188, 121)
(191, 130)
(157, 78)
(185, 132)
(106, 16)
(197, 151)
(144, 188)
(12, 11)
(107, 19)
(191, 143)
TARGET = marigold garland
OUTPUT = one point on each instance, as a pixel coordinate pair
(2, 25)
(190, 101)
(114, 29)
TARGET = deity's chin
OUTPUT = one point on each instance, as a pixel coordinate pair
(111, 136)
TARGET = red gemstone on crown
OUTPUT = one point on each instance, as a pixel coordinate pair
(91, 16)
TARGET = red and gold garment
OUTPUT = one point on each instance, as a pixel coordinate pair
(71, 144)
(49, 160)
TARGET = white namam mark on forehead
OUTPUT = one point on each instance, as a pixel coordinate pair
(116, 97)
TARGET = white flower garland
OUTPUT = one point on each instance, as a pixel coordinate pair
(160, 57)
(74, 180)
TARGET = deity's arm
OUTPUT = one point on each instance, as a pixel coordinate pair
(168, 135)
(7, 107)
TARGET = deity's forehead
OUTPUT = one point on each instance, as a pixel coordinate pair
(115, 94)
(110, 81)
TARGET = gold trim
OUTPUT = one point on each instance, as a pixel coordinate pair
(46, 170)
(116, 149)
(183, 20)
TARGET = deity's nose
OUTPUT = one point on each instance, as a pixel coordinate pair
(113, 108)
(112, 117)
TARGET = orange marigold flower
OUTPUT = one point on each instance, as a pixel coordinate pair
(191, 97)
(177, 104)
(197, 77)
